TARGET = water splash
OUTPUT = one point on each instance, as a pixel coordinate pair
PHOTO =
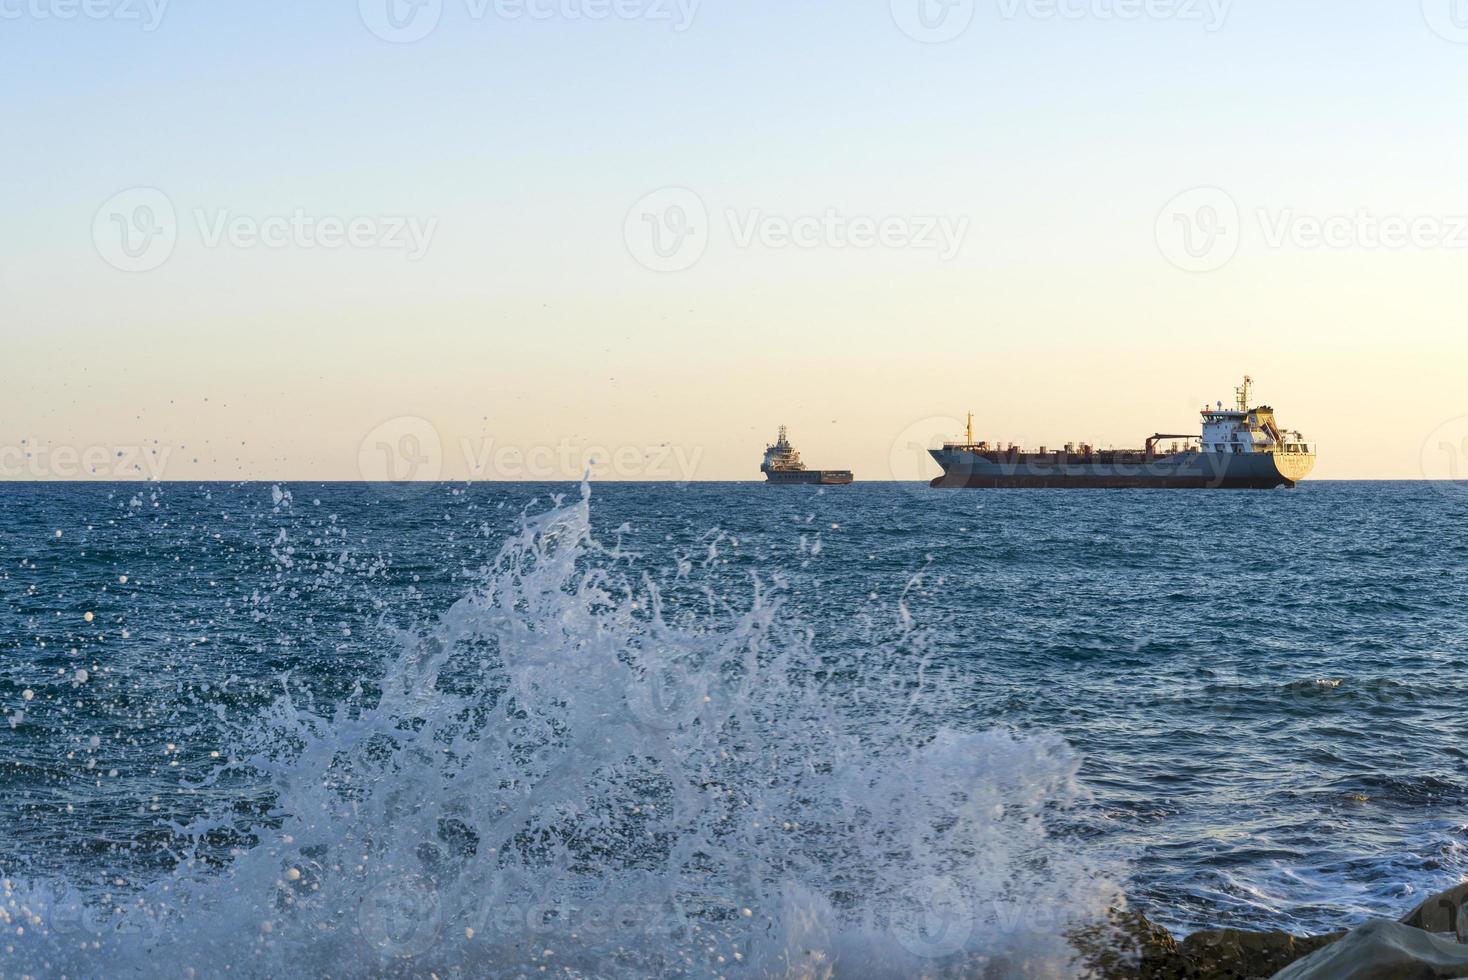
(573, 773)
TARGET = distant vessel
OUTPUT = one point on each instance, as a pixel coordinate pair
(782, 465)
(1239, 448)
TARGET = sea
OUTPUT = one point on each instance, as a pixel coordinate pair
(607, 730)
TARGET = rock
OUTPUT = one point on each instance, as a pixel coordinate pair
(1231, 954)
(1128, 947)
(1442, 913)
(1420, 947)
(1384, 950)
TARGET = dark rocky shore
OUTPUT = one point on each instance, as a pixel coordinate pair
(1426, 944)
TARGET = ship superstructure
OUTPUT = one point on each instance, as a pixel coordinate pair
(1239, 447)
(782, 465)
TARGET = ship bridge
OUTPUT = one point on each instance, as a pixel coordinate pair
(1242, 429)
(782, 457)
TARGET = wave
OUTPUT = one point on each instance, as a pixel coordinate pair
(561, 775)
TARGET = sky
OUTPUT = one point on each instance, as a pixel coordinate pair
(496, 239)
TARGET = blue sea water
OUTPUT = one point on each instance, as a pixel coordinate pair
(714, 729)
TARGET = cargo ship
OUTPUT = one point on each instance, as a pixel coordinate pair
(1238, 448)
(782, 466)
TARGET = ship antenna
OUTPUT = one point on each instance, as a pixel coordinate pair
(1243, 393)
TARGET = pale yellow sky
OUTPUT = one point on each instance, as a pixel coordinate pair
(1129, 209)
(690, 381)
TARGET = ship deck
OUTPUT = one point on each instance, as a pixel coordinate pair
(1107, 456)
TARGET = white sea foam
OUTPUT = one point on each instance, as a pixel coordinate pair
(565, 774)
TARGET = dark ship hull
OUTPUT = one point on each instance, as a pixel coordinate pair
(824, 478)
(965, 468)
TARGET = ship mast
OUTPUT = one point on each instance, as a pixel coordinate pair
(970, 430)
(1243, 392)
